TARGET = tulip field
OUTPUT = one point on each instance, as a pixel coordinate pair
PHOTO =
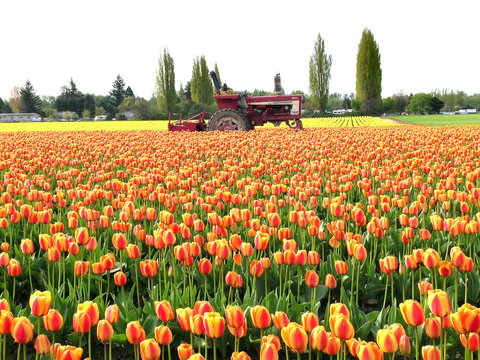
(351, 242)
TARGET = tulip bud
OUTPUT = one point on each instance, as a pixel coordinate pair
(22, 330)
(53, 320)
(104, 330)
(42, 344)
(184, 351)
(163, 335)
(149, 350)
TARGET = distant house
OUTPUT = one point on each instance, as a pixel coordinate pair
(66, 115)
(128, 114)
(20, 117)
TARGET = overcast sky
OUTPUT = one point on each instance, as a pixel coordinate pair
(424, 44)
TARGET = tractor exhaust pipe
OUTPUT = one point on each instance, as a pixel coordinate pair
(213, 75)
(278, 84)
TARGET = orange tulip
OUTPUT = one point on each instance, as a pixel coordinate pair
(444, 268)
(404, 345)
(14, 268)
(309, 321)
(439, 303)
(197, 326)
(295, 337)
(183, 318)
(466, 319)
(149, 268)
(260, 317)
(42, 344)
(112, 314)
(268, 352)
(81, 322)
(280, 320)
(386, 341)
(470, 340)
(341, 267)
(163, 335)
(91, 309)
(40, 302)
(205, 266)
(135, 333)
(311, 278)
(240, 356)
(214, 324)
(26, 245)
(149, 350)
(341, 326)
(412, 312)
(67, 352)
(104, 330)
(330, 282)
(234, 315)
(333, 344)
(184, 351)
(430, 352)
(339, 308)
(164, 310)
(6, 321)
(53, 320)
(433, 327)
(318, 338)
(22, 330)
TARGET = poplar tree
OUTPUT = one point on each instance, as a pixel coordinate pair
(320, 64)
(369, 74)
(165, 83)
(201, 86)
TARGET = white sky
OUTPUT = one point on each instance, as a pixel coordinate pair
(424, 44)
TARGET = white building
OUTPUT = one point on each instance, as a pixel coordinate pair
(20, 117)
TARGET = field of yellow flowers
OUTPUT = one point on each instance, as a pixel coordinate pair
(356, 242)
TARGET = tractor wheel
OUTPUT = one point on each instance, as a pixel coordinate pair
(228, 119)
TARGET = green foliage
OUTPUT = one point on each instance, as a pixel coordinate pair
(129, 92)
(165, 83)
(420, 104)
(30, 102)
(319, 75)
(117, 94)
(217, 73)
(201, 86)
(369, 74)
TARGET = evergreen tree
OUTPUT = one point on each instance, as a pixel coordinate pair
(188, 92)
(117, 94)
(369, 74)
(217, 73)
(30, 102)
(129, 92)
(320, 64)
(70, 99)
(2, 105)
(165, 83)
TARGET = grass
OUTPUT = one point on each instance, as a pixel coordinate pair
(440, 120)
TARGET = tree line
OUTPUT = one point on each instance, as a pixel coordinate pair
(197, 93)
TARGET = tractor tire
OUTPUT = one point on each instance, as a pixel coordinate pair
(228, 119)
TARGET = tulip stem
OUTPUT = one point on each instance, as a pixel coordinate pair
(29, 274)
(455, 270)
(205, 293)
(313, 298)
(24, 351)
(88, 292)
(38, 329)
(90, 343)
(110, 349)
(466, 288)
(13, 295)
(413, 284)
(108, 287)
(136, 283)
(416, 342)
(1, 346)
(206, 344)
(298, 356)
(105, 351)
(352, 281)
(385, 296)
(214, 349)
(358, 276)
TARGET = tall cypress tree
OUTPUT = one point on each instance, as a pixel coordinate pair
(369, 74)
(29, 101)
(117, 94)
(165, 84)
(320, 64)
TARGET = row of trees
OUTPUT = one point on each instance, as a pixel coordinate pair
(197, 94)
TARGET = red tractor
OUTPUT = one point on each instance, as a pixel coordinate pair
(244, 112)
